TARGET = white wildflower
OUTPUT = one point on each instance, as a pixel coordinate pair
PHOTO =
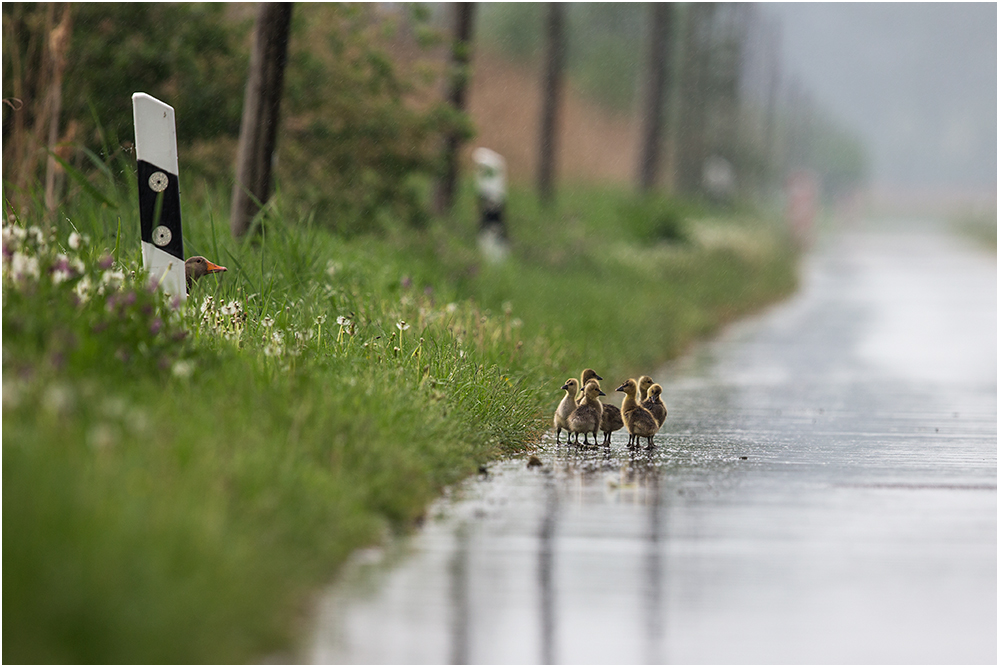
(112, 278)
(267, 321)
(75, 240)
(451, 308)
(23, 266)
(60, 276)
(182, 369)
(320, 319)
(82, 288)
(402, 326)
(14, 233)
(58, 398)
(230, 308)
(208, 304)
(342, 321)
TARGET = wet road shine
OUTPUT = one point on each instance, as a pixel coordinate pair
(823, 491)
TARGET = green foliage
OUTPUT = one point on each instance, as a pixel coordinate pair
(357, 149)
(357, 144)
(187, 53)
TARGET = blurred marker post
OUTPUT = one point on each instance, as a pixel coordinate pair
(802, 191)
(159, 193)
(491, 187)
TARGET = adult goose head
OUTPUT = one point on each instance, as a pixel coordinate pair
(197, 266)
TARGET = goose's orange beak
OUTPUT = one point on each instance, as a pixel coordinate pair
(214, 268)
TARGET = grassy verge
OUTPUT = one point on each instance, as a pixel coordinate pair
(979, 225)
(177, 482)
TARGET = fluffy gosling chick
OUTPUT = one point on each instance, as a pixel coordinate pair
(639, 422)
(654, 404)
(585, 377)
(645, 382)
(611, 420)
(566, 406)
(586, 417)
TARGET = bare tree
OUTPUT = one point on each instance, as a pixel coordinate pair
(261, 107)
(653, 88)
(458, 79)
(551, 89)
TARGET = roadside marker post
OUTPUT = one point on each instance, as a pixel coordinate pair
(159, 193)
(491, 186)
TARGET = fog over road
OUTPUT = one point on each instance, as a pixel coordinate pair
(823, 491)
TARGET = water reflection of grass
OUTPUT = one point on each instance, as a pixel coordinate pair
(177, 482)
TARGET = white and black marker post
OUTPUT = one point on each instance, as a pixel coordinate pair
(159, 193)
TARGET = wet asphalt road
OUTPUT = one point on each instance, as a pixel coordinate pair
(823, 491)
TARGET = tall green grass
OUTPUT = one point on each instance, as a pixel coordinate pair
(177, 482)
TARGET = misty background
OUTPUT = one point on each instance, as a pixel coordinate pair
(918, 81)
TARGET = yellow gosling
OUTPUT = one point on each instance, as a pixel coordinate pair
(585, 377)
(645, 382)
(654, 404)
(586, 417)
(566, 406)
(639, 422)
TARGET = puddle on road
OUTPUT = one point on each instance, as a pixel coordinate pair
(810, 500)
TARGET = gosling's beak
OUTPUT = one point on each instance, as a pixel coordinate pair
(601, 394)
(565, 387)
(621, 388)
(214, 268)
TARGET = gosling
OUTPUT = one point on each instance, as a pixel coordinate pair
(638, 420)
(566, 406)
(645, 382)
(611, 420)
(586, 417)
(585, 377)
(654, 404)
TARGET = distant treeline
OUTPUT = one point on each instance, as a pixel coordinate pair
(363, 112)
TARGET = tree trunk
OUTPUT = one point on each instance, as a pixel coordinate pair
(652, 103)
(458, 79)
(695, 99)
(261, 107)
(58, 45)
(552, 87)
